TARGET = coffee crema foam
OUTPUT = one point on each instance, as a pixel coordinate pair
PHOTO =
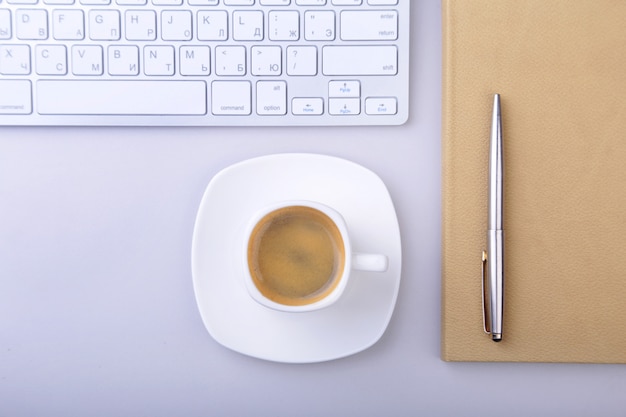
(295, 255)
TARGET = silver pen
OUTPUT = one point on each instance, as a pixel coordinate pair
(493, 259)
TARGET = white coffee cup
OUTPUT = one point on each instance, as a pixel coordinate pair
(298, 256)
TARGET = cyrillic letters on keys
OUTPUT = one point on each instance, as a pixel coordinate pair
(230, 60)
(51, 59)
(31, 24)
(212, 26)
(248, 25)
(140, 25)
(68, 25)
(104, 25)
(158, 60)
(266, 60)
(123, 60)
(5, 24)
(195, 60)
(87, 60)
(319, 25)
(284, 25)
(14, 59)
(176, 25)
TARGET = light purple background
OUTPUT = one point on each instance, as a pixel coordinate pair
(97, 312)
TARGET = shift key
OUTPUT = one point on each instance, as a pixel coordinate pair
(15, 97)
(360, 60)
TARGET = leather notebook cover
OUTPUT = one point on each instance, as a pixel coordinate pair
(560, 67)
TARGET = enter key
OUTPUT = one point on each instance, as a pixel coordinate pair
(361, 25)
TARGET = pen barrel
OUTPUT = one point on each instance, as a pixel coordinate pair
(495, 256)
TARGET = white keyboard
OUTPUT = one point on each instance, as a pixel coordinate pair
(204, 62)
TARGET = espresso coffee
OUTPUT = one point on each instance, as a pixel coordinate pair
(296, 255)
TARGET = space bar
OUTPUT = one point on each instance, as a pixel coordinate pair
(108, 97)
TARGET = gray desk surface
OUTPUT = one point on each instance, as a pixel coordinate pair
(97, 313)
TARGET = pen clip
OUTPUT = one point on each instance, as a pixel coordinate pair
(486, 312)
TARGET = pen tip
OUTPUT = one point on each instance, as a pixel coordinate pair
(496, 337)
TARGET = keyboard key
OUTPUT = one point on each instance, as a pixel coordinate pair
(195, 60)
(121, 97)
(203, 2)
(284, 25)
(131, 2)
(31, 24)
(176, 25)
(212, 25)
(344, 89)
(104, 25)
(312, 106)
(167, 2)
(239, 2)
(14, 59)
(95, 2)
(275, 2)
(158, 60)
(266, 60)
(344, 106)
(231, 98)
(68, 24)
(311, 2)
(123, 60)
(230, 60)
(15, 97)
(248, 25)
(319, 25)
(51, 59)
(140, 25)
(5, 24)
(56, 2)
(360, 60)
(381, 105)
(301, 60)
(87, 60)
(271, 98)
(369, 25)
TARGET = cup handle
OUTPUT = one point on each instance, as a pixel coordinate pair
(369, 262)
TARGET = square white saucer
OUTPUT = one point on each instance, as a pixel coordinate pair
(234, 319)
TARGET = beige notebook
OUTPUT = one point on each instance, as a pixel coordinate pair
(560, 67)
